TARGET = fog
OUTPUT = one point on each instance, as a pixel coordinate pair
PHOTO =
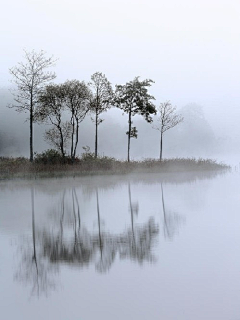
(190, 49)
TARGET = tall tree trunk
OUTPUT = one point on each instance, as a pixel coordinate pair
(129, 134)
(76, 140)
(72, 138)
(96, 134)
(61, 142)
(31, 129)
(161, 146)
(96, 124)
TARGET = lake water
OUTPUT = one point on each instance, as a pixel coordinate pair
(121, 247)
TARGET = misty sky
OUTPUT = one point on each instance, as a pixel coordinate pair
(190, 48)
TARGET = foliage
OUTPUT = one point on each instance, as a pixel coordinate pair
(49, 156)
(51, 107)
(89, 162)
(77, 97)
(133, 98)
(87, 154)
(73, 96)
(133, 132)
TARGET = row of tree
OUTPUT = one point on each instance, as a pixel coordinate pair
(50, 103)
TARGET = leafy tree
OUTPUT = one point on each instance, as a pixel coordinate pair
(30, 77)
(133, 98)
(73, 96)
(77, 97)
(51, 107)
(167, 119)
(100, 102)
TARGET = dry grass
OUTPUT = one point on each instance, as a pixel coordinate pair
(12, 168)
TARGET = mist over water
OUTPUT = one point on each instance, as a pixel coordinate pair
(146, 246)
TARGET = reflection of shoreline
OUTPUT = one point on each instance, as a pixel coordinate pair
(104, 182)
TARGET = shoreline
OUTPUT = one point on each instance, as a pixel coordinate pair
(21, 168)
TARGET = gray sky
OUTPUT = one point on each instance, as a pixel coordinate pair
(190, 48)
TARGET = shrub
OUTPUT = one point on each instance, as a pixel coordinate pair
(87, 154)
(49, 156)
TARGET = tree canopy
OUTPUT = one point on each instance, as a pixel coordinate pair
(77, 99)
(133, 98)
(73, 96)
(51, 107)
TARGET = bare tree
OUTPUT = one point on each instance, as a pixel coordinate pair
(101, 99)
(133, 98)
(30, 77)
(167, 119)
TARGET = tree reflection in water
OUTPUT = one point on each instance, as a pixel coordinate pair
(137, 242)
(33, 267)
(105, 244)
(101, 248)
(171, 220)
(66, 245)
(70, 242)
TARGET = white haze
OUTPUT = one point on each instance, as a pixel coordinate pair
(190, 49)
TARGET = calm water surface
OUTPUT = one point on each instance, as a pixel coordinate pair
(121, 247)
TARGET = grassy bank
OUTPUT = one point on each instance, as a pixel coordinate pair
(12, 168)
